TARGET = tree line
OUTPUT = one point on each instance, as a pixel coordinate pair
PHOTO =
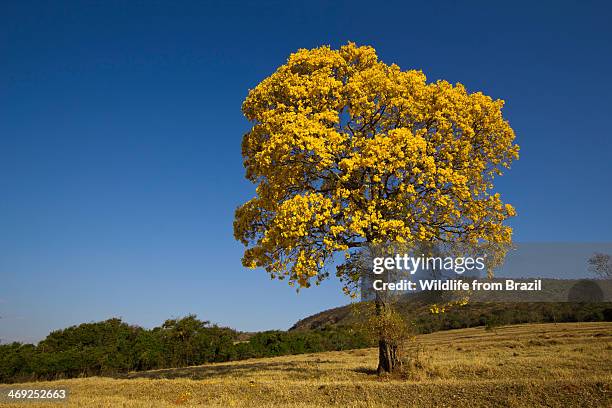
(113, 347)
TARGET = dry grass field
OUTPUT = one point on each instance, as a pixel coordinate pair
(549, 365)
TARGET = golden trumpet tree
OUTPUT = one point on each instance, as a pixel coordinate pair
(348, 151)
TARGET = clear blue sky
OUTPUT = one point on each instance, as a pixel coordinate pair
(120, 130)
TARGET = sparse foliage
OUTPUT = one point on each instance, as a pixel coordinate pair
(601, 265)
(384, 323)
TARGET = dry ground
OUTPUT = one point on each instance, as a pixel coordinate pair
(550, 365)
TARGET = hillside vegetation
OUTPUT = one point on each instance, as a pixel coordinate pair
(549, 305)
(113, 347)
(552, 365)
(417, 310)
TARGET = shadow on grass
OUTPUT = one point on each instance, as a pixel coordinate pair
(366, 370)
(214, 371)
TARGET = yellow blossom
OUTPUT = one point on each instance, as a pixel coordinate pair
(346, 150)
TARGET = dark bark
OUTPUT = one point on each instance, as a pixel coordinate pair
(388, 358)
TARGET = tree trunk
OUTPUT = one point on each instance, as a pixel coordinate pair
(388, 359)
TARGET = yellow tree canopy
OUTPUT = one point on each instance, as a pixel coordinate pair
(346, 150)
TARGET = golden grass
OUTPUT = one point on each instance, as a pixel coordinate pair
(552, 365)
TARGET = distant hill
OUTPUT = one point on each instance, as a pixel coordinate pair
(560, 300)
